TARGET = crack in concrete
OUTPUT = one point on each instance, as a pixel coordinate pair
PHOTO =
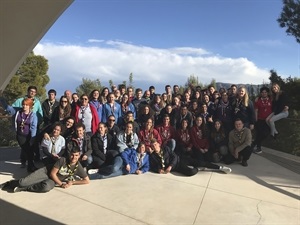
(257, 209)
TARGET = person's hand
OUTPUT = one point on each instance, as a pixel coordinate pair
(46, 136)
(286, 108)
(138, 172)
(251, 126)
(202, 150)
(84, 157)
(188, 149)
(67, 185)
(168, 170)
(150, 150)
(127, 167)
(161, 171)
(55, 156)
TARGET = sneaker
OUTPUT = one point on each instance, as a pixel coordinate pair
(244, 163)
(93, 171)
(19, 189)
(257, 150)
(225, 169)
(5, 185)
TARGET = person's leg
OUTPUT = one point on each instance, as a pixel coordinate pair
(245, 153)
(35, 177)
(274, 118)
(97, 162)
(41, 187)
(185, 170)
(110, 171)
(22, 143)
(171, 144)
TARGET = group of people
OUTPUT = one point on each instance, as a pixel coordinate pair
(111, 133)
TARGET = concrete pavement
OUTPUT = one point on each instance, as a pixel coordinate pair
(262, 193)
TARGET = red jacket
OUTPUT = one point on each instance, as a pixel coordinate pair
(95, 118)
(198, 139)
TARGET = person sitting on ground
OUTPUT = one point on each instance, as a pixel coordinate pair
(183, 140)
(147, 133)
(127, 138)
(167, 133)
(65, 173)
(218, 142)
(239, 144)
(112, 128)
(163, 161)
(53, 145)
(130, 161)
(103, 147)
(83, 141)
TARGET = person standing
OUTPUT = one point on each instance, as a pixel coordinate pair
(87, 114)
(263, 108)
(111, 107)
(48, 107)
(243, 108)
(37, 109)
(25, 123)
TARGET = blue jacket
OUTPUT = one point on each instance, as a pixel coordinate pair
(130, 156)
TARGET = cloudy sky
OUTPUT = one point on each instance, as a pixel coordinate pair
(165, 41)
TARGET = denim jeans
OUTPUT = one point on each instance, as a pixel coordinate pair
(116, 169)
(271, 119)
(171, 144)
(38, 181)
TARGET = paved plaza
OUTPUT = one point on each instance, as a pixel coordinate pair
(262, 193)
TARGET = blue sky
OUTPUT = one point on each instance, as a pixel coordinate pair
(166, 41)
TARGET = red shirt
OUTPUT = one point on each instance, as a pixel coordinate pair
(263, 107)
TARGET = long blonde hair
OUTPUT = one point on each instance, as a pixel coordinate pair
(245, 99)
(275, 96)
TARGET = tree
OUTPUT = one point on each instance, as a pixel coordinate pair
(130, 80)
(193, 81)
(88, 86)
(33, 71)
(290, 18)
(274, 78)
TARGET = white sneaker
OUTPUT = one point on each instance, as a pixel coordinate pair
(225, 169)
(93, 171)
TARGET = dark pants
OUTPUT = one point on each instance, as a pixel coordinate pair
(38, 181)
(262, 131)
(109, 158)
(26, 149)
(244, 154)
(182, 167)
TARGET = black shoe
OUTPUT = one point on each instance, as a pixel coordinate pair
(257, 150)
(244, 163)
(5, 185)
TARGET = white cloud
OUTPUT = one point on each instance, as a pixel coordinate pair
(68, 64)
(95, 41)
